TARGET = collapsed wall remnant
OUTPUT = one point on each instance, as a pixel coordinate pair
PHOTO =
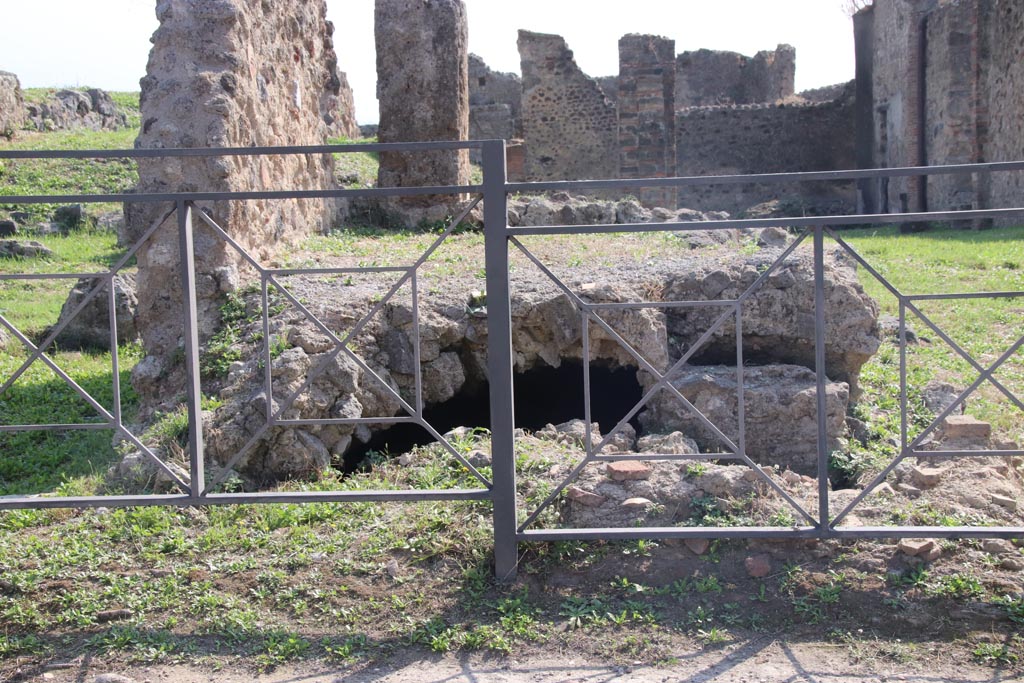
(570, 128)
(230, 73)
(711, 77)
(766, 138)
(547, 334)
(92, 109)
(423, 90)
(12, 106)
(495, 102)
(946, 82)
(646, 102)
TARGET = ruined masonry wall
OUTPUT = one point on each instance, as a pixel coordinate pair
(495, 104)
(763, 139)
(423, 90)
(228, 73)
(489, 87)
(710, 77)
(647, 114)
(561, 105)
(1005, 84)
(951, 100)
(12, 107)
(895, 84)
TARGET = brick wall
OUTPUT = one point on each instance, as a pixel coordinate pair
(646, 103)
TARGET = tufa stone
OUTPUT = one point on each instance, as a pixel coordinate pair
(965, 427)
(758, 566)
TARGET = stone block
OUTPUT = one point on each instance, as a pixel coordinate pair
(965, 427)
(584, 497)
(628, 470)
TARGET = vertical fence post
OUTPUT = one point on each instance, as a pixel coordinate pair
(190, 326)
(819, 366)
(499, 361)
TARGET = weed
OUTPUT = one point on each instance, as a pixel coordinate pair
(347, 650)
(707, 584)
(994, 654)
(580, 612)
(959, 586)
(279, 647)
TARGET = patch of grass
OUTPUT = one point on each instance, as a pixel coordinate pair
(41, 461)
(947, 261)
(67, 176)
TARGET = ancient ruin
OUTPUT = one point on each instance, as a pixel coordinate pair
(422, 87)
(495, 103)
(268, 77)
(940, 83)
(708, 77)
(646, 104)
(697, 113)
(570, 129)
(92, 109)
(767, 138)
(12, 106)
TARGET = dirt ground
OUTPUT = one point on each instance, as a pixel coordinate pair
(763, 660)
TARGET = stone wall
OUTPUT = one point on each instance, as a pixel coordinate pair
(946, 81)
(91, 109)
(646, 104)
(423, 90)
(227, 73)
(764, 139)
(340, 110)
(489, 87)
(12, 107)
(897, 94)
(826, 93)
(1003, 139)
(495, 104)
(570, 128)
(950, 105)
(710, 77)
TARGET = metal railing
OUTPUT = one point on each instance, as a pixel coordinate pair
(198, 488)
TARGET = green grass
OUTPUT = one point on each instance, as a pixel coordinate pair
(67, 176)
(944, 261)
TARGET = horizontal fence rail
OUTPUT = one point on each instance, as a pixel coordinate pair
(513, 524)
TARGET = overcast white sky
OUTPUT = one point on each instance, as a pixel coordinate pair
(105, 43)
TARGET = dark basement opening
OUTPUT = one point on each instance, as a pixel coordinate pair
(542, 396)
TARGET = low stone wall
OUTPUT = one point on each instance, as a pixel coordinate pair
(91, 109)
